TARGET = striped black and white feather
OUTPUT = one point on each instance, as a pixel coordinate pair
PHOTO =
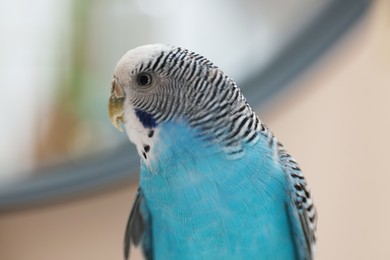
(200, 93)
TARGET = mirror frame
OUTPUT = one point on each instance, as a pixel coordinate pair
(120, 166)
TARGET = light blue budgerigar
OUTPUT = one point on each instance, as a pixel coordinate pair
(215, 183)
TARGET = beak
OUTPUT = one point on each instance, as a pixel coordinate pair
(115, 105)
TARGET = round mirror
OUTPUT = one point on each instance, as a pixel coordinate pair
(57, 63)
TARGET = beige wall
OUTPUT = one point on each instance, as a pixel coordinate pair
(336, 123)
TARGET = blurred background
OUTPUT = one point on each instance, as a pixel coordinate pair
(317, 72)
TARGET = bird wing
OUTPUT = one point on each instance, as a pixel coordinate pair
(138, 228)
(301, 210)
(299, 205)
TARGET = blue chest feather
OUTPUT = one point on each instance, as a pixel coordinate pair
(204, 205)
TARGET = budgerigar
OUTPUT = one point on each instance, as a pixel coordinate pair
(214, 181)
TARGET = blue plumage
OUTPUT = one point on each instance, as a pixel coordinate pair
(215, 183)
(216, 208)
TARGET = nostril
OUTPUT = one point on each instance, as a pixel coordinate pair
(116, 89)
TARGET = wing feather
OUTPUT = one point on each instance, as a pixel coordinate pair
(300, 207)
(138, 228)
(303, 215)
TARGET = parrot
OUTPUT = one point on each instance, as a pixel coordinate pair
(215, 183)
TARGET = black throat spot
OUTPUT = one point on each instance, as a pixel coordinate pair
(145, 118)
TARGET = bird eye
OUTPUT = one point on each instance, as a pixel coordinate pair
(144, 79)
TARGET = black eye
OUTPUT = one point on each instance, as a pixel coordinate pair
(144, 79)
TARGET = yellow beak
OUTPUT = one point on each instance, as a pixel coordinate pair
(115, 106)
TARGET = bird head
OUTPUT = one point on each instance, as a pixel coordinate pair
(156, 84)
